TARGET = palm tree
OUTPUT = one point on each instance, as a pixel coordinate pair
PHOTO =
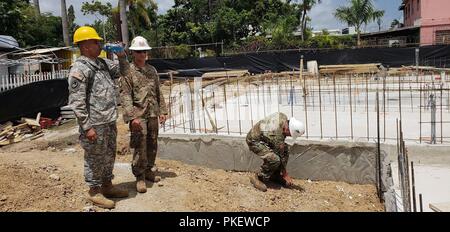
(124, 21)
(65, 24)
(305, 7)
(379, 22)
(358, 13)
(139, 14)
(138, 17)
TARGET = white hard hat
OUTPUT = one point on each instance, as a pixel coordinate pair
(296, 128)
(139, 43)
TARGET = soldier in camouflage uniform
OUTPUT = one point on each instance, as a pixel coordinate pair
(143, 105)
(92, 97)
(266, 139)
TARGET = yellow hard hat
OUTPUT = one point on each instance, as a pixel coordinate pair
(85, 33)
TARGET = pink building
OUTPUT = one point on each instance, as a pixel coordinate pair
(433, 18)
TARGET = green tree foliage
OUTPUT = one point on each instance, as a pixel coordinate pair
(19, 19)
(358, 13)
(11, 17)
(71, 21)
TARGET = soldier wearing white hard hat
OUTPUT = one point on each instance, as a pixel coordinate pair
(266, 139)
(144, 109)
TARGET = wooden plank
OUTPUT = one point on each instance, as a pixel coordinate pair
(31, 122)
(440, 207)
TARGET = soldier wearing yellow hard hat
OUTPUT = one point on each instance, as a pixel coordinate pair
(92, 96)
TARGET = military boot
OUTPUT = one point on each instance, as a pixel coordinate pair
(111, 191)
(141, 187)
(97, 198)
(257, 183)
(150, 175)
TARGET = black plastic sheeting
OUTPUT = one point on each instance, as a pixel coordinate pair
(290, 60)
(28, 100)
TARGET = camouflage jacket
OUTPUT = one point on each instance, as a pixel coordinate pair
(141, 94)
(92, 91)
(267, 135)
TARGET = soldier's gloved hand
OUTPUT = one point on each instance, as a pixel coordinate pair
(162, 118)
(91, 135)
(287, 178)
(136, 125)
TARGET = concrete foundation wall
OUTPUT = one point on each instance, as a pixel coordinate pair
(335, 161)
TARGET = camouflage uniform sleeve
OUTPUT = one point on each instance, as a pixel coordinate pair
(77, 96)
(123, 69)
(161, 100)
(255, 143)
(126, 91)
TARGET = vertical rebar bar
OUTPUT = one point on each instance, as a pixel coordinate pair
(378, 160)
(226, 107)
(291, 96)
(384, 107)
(170, 101)
(400, 96)
(182, 115)
(335, 105)
(250, 99)
(420, 202)
(441, 100)
(306, 107)
(203, 107)
(351, 107)
(264, 94)
(413, 187)
(215, 114)
(320, 107)
(239, 106)
(367, 107)
(420, 114)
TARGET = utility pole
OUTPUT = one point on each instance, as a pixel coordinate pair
(123, 22)
(36, 6)
(64, 23)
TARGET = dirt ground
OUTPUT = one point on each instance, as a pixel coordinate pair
(47, 175)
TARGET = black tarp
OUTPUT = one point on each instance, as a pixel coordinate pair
(289, 60)
(28, 100)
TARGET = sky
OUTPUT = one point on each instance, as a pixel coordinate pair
(322, 14)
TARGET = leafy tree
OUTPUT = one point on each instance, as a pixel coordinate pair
(358, 13)
(104, 23)
(395, 24)
(71, 21)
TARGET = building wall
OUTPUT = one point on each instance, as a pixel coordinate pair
(412, 12)
(435, 18)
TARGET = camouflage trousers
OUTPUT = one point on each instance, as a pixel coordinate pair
(273, 162)
(145, 145)
(100, 155)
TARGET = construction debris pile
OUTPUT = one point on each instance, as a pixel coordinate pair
(351, 68)
(27, 129)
